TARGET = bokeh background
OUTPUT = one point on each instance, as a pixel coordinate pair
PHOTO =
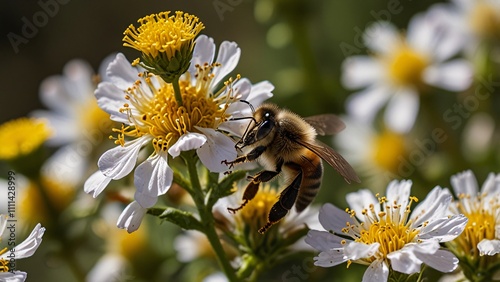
(295, 44)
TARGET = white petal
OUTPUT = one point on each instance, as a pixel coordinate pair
(67, 165)
(330, 258)
(365, 104)
(381, 37)
(228, 57)
(186, 142)
(361, 71)
(120, 161)
(465, 183)
(79, 74)
(17, 276)
(434, 206)
(65, 128)
(404, 261)
(152, 178)
(355, 250)
(131, 217)
(204, 52)
(217, 148)
(96, 183)
(376, 272)
(110, 267)
(28, 247)
(121, 73)
(260, 92)
(441, 260)
(188, 246)
(399, 192)
(490, 187)
(323, 241)
(402, 110)
(445, 229)
(456, 75)
(111, 99)
(334, 219)
(362, 199)
(489, 247)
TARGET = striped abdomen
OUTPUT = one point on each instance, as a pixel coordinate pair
(312, 172)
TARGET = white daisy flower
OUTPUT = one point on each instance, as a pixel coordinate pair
(378, 154)
(476, 20)
(381, 232)
(403, 65)
(23, 250)
(147, 108)
(254, 215)
(77, 122)
(481, 236)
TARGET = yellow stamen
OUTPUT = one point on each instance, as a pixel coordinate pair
(158, 114)
(406, 67)
(166, 43)
(387, 150)
(21, 137)
(388, 227)
(481, 224)
(256, 211)
(161, 33)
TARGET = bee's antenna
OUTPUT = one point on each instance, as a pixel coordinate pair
(249, 104)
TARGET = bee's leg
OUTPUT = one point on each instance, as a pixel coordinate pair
(248, 195)
(252, 155)
(284, 204)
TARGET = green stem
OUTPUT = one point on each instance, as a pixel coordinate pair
(177, 91)
(207, 219)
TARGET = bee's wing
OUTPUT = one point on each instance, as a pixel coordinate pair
(327, 124)
(332, 158)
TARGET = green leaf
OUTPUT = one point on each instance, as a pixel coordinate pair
(225, 187)
(183, 219)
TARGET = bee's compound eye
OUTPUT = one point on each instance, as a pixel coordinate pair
(264, 129)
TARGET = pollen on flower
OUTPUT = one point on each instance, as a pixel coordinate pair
(162, 33)
(166, 42)
(406, 66)
(387, 149)
(4, 264)
(157, 113)
(22, 136)
(389, 227)
(481, 223)
(255, 212)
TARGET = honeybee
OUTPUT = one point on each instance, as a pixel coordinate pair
(283, 142)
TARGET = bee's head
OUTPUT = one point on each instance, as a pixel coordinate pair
(262, 124)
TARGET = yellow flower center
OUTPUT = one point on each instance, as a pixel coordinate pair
(131, 244)
(406, 67)
(481, 224)
(161, 33)
(157, 113)
(485, 20)
(388, 147)
(390, 228)
(93, 118)
(21, 137)
(256, 211)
